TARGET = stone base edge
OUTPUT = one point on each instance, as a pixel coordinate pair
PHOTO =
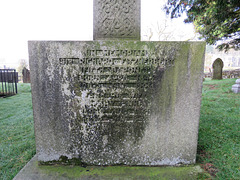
(39, 172)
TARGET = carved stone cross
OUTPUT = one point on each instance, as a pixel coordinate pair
(116, 19)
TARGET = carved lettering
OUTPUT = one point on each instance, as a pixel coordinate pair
(115, 83)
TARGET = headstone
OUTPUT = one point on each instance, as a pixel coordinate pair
(26, 75)
(116, 102)
(217, 69)
(236, 87)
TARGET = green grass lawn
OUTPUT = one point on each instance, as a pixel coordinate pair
(219, 131)
(17, 143)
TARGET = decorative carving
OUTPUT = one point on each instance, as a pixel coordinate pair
(116, 19)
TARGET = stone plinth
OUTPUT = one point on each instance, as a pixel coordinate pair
(33, 171)
(116, 102)
(116, 19)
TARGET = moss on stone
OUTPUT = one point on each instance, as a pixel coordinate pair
(63, 160)
(109, 172)
(34, 171)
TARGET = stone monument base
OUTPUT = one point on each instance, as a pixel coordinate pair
(33, 171)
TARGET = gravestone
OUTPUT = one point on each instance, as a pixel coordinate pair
(217, 69)
(26, 75)
(236, 87)
(117, 101)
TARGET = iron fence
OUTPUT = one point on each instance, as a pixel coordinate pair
(8, 82)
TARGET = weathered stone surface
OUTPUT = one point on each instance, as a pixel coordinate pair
(32, 171)
(116, 102)
(115, 19)
(217, 69)
(236, 87)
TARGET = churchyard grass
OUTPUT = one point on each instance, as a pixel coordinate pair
(17, 143)
(219, 131)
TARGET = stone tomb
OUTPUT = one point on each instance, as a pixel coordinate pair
(116, 102)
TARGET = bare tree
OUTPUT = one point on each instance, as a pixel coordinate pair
(167, 31)
(22, 64)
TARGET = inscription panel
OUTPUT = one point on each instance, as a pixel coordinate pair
(112, 89)
(116, 19)
(116, 83)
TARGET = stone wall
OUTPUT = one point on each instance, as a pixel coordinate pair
(226, 74)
